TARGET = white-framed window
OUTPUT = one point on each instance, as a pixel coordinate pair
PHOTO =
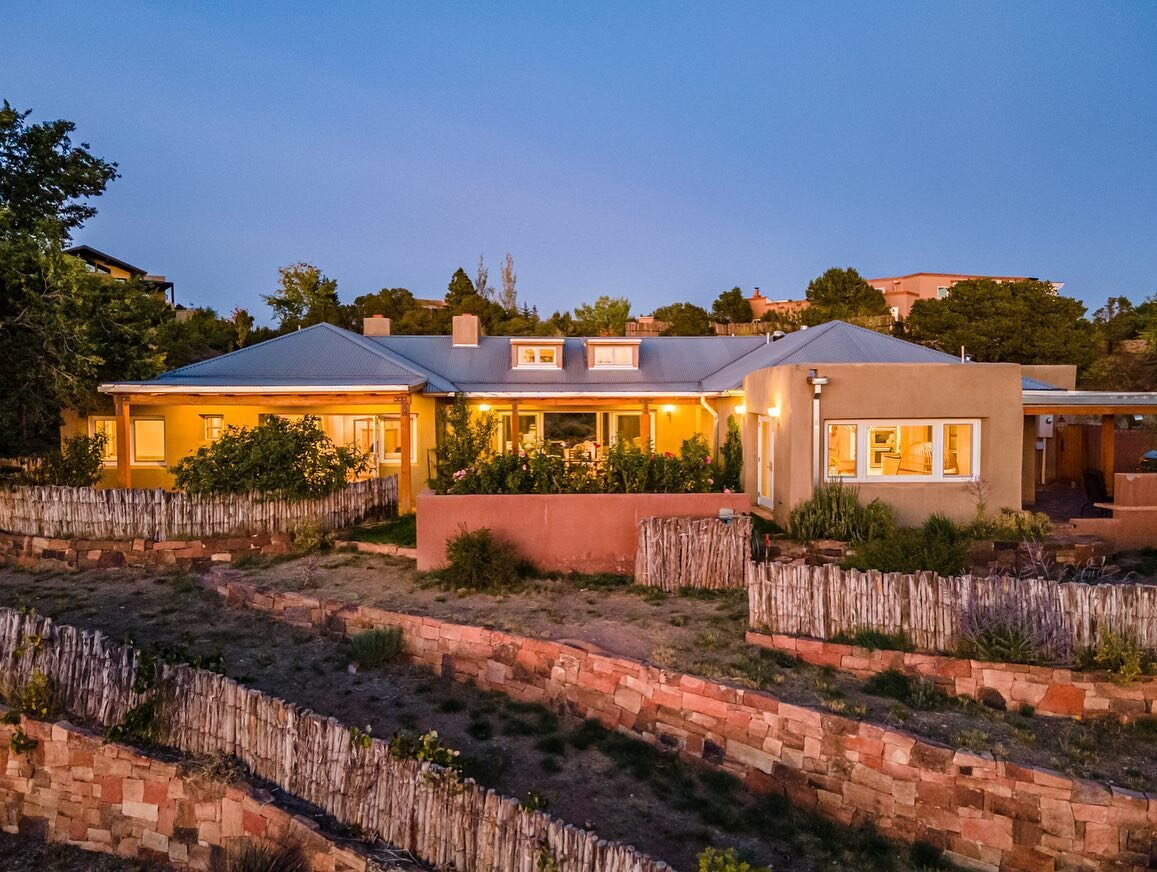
(538, 356)
(613, 357)
(213, 426)
(106, 427)
(941, 293)
(148, 441)
(379, 435)
(908, 450)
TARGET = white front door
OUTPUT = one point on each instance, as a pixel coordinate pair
(765, 453)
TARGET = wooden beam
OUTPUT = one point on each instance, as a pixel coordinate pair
(124, 465)
(1108, 446)
(590, 403)
(645, 426)
(515, 435)
(1032, 411)
(405, 472)
(275, 401)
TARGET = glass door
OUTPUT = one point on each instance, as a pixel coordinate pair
(765, 465)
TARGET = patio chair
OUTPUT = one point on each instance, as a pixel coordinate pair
(1095, 492)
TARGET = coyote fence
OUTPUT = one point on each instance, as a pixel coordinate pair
(414, 806)
(820, 601)
(693, 552)
(99, 513)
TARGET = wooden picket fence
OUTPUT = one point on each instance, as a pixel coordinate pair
(820, 601)
(693, 552)
(100, 513)
(413, 806)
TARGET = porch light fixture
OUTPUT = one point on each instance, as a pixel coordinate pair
(668, 409)
(741, 410)
(484, 407)
(773, 411)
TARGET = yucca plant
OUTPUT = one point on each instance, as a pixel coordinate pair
(266, 857)
(374, 648)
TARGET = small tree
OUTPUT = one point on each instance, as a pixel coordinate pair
(278, 458)
(731, 307)
(842, 295)
(684, 319)
(731, 458)
(606, 316)
(78, 463)
(466, 439)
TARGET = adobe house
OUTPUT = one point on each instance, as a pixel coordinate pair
(118, 270)
(905, 423)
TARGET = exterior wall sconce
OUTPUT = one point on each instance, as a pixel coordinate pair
(485, 407)
(741, 410)
(773, 411)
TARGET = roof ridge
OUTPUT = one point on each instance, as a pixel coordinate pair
(812, 332)
(388, 354)
(192, 366)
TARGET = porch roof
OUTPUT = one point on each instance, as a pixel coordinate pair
(1057, 402)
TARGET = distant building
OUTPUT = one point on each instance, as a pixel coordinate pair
(900, 292)
(118, 270)
(646, 325)
(761, 305)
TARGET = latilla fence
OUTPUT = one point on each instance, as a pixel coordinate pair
(693, 552)
(92, 513)
(820, 601)
(414, 806)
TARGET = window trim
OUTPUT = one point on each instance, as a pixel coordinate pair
(938, 425)
(538, 344)
(205, 437)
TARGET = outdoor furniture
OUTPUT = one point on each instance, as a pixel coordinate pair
(1097, 499)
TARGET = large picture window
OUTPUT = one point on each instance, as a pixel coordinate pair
(149, 441)
(378, 435)
(902, 450)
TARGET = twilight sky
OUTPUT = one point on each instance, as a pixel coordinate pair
(661, 151)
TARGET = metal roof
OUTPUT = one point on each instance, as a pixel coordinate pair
(1090, 399)
(326, 356)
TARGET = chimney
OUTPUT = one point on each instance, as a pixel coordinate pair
(378, 325)
(466, 331)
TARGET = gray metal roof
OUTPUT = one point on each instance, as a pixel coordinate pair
(1034, 384)
(324, 355)
(1092, 399)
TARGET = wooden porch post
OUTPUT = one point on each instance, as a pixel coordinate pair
(124, 468)
(645, 426)
(515, 435)
(404, 470)
(1108, 444)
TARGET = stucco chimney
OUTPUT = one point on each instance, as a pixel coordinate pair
(466, 331)
(378, 325)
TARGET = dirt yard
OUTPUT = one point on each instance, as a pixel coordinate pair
(30, 854)
(622, 788)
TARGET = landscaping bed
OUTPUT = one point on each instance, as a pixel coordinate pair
(623, 788)
(703, 632)
(27, 853)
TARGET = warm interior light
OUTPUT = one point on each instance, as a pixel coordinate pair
(741, 410)
(485, 407)
(773, 411)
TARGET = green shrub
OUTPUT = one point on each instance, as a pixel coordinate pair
(466, 438)
(874, 640)
(478, 560)
(280, 458)
(372, 649)
(308, 537)
(37, 697)
(730, 473)
(917, 692)
(1012, 524)
(427, 748)
(1004, 631)
(78, 463)
(402, 531)
(266, 857)
(939, 527)
(835, 512)
(1121, 656)
(909, 551)
(715, 860)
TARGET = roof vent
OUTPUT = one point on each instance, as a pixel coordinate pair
(466, 331)
(777, 335)
(378, 325)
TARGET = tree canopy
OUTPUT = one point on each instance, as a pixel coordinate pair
(685, 319)
(731, 307)
(1014, 322)
(304, 297)
(606, 316)
(842, 295)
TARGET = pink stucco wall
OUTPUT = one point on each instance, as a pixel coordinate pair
(1134, 520)
(583, 532)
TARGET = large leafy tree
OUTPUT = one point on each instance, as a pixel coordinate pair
(1014, 322)
(63, 329)
(199, 336)
(606, 316)
(305, 296)
(843, 295)
(684, 319)
(731, 307)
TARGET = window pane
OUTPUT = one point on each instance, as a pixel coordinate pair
(912, 454)
(364, 434)
(108, 428)
(546, 355)
(613, 355)
(214, 426)
(526, 354)
(392, 438)
(568, 429)
(149, 441)
(958, 449)
(841, 450)
(629, 428)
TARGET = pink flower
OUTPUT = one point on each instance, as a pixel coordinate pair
(668, 454)
(727, 490)
(707, 459)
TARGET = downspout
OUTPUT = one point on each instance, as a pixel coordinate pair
(714, 425)
(817, 382)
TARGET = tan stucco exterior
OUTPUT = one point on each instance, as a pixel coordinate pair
(989, 393)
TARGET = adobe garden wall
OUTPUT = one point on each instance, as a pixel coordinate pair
(986, 813)
(31, 551)
(1049, 690)
(580, 532)
(74, 787)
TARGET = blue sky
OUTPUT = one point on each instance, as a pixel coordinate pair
(661, 151)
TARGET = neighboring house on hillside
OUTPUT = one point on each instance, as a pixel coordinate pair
(905, 423)
(114, 268)
(900, 292)
(761, 305)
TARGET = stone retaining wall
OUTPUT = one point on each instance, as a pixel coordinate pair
(74, 787)
(1049, 690)
(985, 813)
(32, 551)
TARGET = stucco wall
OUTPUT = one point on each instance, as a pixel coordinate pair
(989, 392)
(581, 532)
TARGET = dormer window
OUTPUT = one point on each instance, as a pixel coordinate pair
(536, 354)
(612, 354)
